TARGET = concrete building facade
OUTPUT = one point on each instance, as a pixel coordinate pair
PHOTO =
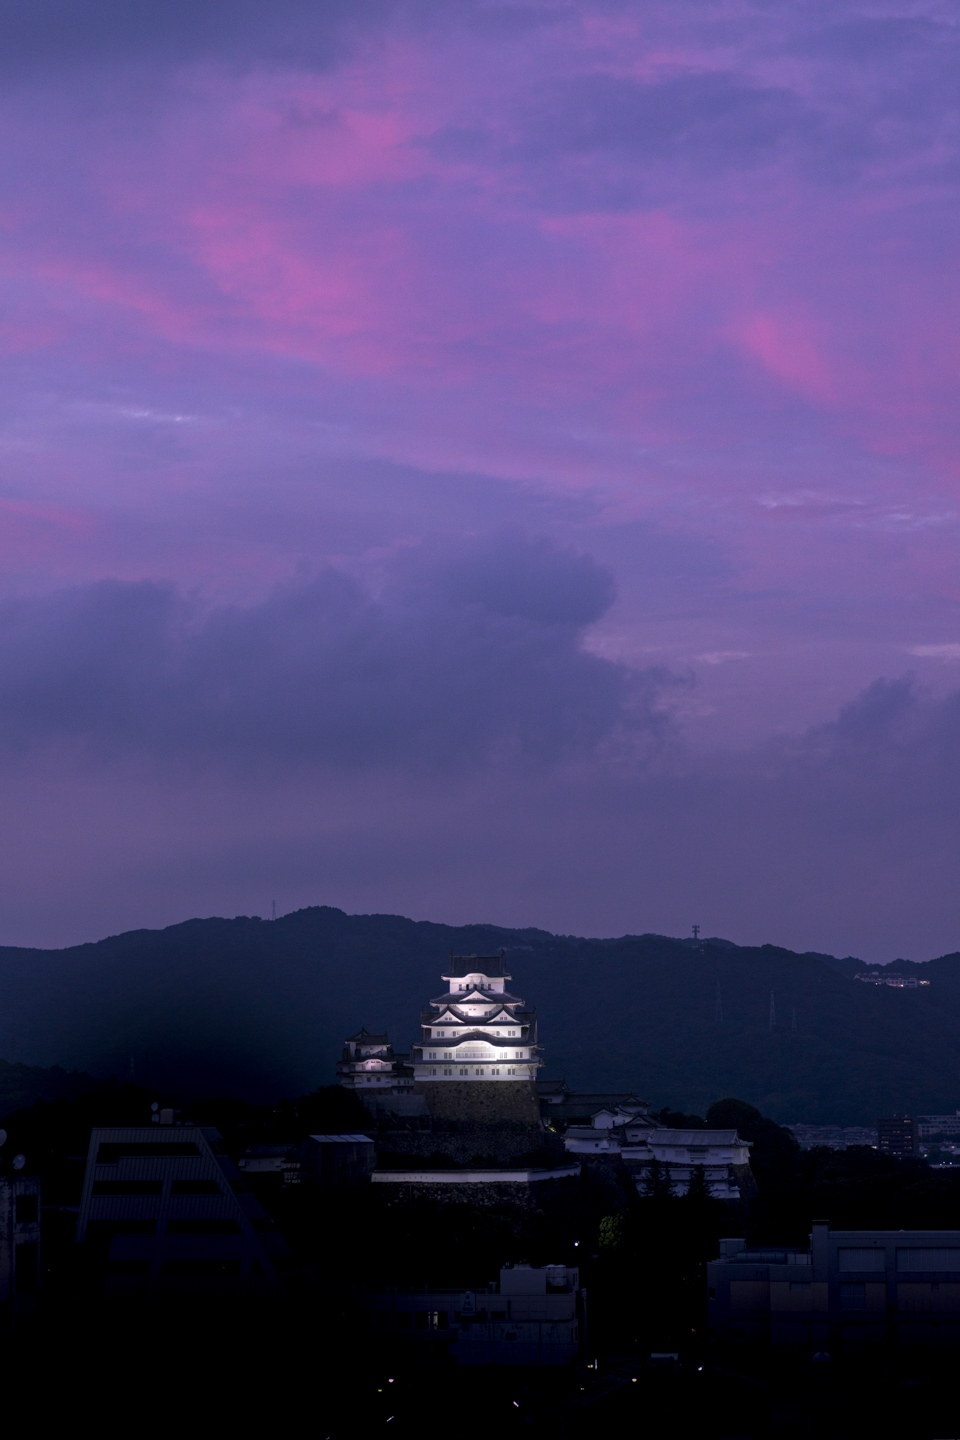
(164, 1213)
(848, 1289)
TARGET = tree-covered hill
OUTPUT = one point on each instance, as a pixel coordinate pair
(260, 1009)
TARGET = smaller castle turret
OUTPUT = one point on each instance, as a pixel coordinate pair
(372, 1068)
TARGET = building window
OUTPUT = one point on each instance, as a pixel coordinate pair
(799, 1284)
(478, 1071)
(511, 1072)
(463, 1072)
(433, 1072)
(448, 1072)
(853, 1296)
(873, 1259)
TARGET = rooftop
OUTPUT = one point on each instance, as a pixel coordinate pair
(461, 965)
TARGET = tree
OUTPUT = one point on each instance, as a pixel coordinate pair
(698, 1190)
(657, 1184)
(774, 1152)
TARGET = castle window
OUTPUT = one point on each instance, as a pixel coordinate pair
(448, 1072)
(511, 1072)
(463, 1072)
(433, 1072)
(478, 1071)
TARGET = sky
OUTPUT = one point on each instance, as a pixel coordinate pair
(490, 462)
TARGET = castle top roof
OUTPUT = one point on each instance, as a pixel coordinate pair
(461, 965)
(364, 1037)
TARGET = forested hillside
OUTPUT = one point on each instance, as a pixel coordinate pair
(259, 1009)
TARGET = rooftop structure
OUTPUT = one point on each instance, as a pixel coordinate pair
(476, 1030)
(560, 1105)
(337, 1159)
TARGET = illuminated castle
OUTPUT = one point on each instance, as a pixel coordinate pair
(476, 1031)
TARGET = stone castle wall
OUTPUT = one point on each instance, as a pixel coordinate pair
(483, 1102)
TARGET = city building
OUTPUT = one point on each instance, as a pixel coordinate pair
(532, 1316)
(898, 1136)
(164, 1212)
(895, 982)
(834, 1137)
(846, 1290)
(928, 1125)
(476, 1031)
(19, 1242)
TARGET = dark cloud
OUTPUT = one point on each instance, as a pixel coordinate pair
(706, 117)
(41, 33)
(458, 660)
(511, 575)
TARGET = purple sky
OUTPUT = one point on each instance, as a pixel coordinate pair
(493, 461)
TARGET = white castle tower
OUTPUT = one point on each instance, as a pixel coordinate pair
(477, 1031)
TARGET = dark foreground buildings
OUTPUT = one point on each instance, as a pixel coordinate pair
(165, 1213)
(848, 1290)
(19, 1242)
(531, 1315)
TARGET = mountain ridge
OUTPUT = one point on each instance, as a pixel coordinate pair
(259, 1008)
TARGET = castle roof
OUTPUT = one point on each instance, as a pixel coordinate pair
(453, 998)
(363, 1036)
(461, 965)
(661, 1137)
(474, 1035)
